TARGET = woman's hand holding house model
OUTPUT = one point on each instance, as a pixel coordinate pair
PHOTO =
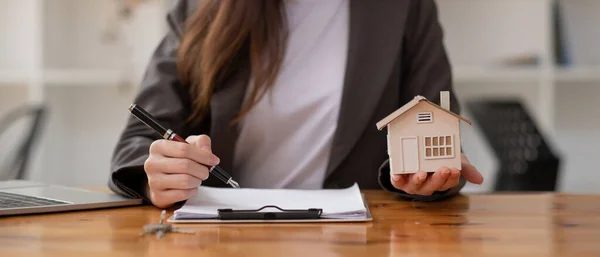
(424, 147)
(423, 183)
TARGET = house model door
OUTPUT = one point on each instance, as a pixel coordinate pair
(410, 154)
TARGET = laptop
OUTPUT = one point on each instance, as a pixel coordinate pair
(19, 197)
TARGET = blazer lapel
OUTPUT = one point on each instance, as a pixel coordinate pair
(376, 30)
(225, 105)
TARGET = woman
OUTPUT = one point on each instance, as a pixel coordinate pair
(285, 94)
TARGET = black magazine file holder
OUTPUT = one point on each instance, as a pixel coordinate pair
(525, 160)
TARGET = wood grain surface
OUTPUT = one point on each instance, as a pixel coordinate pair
(532, 224)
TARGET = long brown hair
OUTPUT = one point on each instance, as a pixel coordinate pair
(217, 33)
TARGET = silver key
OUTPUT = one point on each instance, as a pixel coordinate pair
(161, 228)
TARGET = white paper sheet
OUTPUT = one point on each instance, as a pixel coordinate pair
(344, 203)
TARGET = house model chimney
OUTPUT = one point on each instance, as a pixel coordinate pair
(445, 100)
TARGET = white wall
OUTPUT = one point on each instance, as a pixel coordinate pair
(581, 22)
(578, 137)
(485, 32)
(85, 125)
(12, 96)
(14, 37)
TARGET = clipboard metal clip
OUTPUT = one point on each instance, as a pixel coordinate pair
(258, 214)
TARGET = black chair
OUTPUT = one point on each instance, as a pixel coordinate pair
(526, 161)
(20, 129)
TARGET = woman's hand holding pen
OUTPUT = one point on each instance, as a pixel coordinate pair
(175, 169)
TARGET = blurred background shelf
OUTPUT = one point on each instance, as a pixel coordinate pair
(582, 75)
(470, 74)
(9, 78)
(85, 77)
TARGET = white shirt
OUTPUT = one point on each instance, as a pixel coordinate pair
(285, 140)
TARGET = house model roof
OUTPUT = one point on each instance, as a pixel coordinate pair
(385, 121)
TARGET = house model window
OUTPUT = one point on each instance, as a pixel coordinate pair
(438, 147)
(424, 117)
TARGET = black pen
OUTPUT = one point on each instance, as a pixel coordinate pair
(169, 134)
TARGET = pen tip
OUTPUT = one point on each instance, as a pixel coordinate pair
(233, 184)
(131, 107)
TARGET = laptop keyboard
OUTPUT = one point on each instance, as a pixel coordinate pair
(8, 200)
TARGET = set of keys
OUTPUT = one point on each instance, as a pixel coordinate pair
(162, 228)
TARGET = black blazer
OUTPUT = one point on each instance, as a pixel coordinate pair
(395, 52)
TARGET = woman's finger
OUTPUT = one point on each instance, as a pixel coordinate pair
(399, 180)
(180, 150)
(165, 198)
(452, 180)
(161, 182)
(178, 166)
(414, 182)
(201, 141)
(469, 172)
(435, 181)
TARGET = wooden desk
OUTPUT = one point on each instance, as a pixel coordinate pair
(474, 225)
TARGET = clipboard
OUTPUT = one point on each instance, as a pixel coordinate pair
(311, 215)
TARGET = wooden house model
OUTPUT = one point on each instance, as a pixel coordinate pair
(423, 136)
